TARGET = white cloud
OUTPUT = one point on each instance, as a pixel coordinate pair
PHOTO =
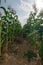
(39, 4)
(23, 19)
(26, 7)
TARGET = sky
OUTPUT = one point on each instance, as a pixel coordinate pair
(22, 7)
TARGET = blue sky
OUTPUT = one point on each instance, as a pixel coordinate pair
(22, 7)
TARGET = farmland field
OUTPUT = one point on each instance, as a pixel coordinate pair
(21, 44)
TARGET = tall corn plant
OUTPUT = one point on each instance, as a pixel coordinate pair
(10, 25)
(31, 29)
(0, 36)
(7, 20)
(5, 26)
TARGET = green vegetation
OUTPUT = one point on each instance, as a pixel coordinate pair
(30, 55)
(10, 28)
(41, 51)
(0, 36)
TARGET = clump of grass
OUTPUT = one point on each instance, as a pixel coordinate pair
(30, 54)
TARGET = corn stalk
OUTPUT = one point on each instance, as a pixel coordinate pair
(7, 38)
(0, 36)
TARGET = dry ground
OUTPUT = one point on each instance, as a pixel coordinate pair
(17, 58)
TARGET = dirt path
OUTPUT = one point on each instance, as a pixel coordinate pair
(13, 59)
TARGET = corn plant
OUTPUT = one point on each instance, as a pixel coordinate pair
(31, 28)
(0, 36)
(11, 26)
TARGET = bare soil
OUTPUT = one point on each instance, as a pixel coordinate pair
(16, 57)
